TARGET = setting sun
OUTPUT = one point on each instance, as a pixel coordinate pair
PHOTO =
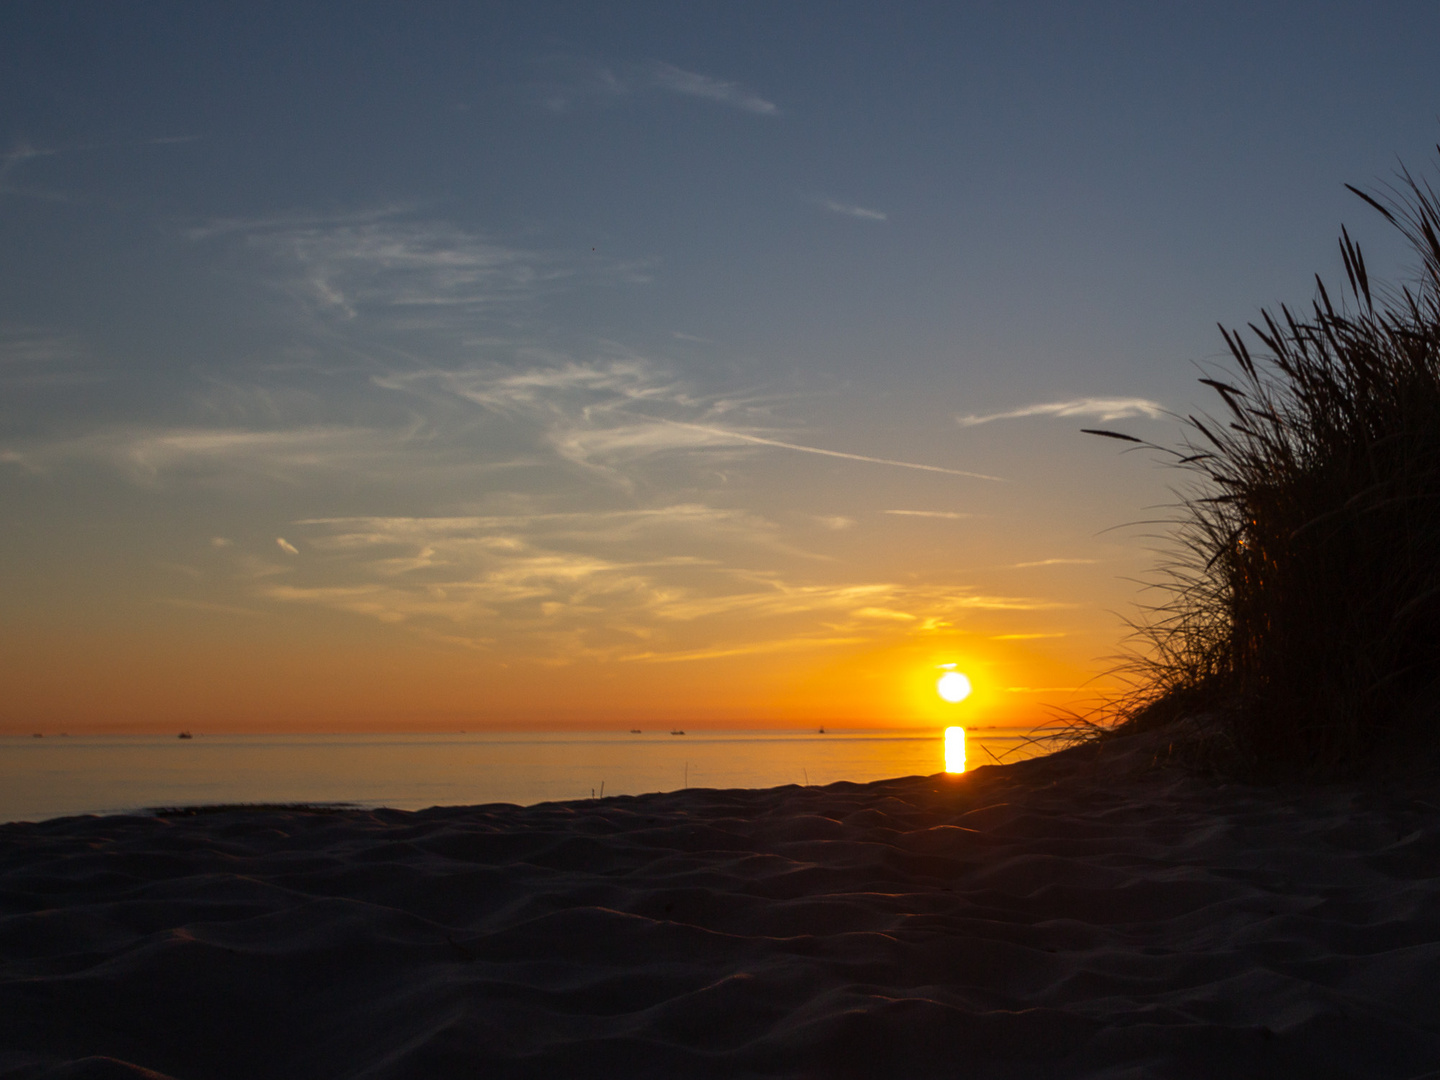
(953, 686)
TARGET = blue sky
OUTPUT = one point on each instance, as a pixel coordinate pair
(524, 363)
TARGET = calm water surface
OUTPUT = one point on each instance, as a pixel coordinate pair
(55, 776)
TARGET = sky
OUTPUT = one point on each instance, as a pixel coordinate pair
(435, 366)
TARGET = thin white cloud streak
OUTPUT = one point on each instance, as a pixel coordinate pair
(586, 446)
(693, 84)
(1105, 409)
(738, 436)
(285, 546)
(1054, 562)
(853, 211)
(588, 412)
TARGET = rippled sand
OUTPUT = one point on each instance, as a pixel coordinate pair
(1081, 915)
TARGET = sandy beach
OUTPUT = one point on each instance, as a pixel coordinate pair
(1082, 915)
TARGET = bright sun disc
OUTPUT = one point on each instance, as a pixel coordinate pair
(953, 686)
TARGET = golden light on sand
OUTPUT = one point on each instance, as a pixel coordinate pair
(953, 686)
(954, 749)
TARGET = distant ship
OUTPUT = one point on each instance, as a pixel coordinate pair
(822, 731)
(677, 731)
(634, 731)
(185, 735)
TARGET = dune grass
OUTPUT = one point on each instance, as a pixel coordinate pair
(1298, 629)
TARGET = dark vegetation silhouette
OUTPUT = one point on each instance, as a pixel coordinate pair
(1298, 626)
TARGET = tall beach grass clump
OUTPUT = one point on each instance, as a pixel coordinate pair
(1298, 630)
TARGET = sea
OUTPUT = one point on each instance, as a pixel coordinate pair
(56, 776)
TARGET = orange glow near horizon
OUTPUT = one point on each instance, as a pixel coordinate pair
(214, 672)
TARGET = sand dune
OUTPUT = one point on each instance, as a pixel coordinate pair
(1075, 916)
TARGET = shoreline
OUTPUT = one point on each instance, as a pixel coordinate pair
(1079, 915)
(42, 779)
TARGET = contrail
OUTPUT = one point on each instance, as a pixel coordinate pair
(724, 433)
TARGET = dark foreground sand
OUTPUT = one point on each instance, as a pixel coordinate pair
(1074, 916)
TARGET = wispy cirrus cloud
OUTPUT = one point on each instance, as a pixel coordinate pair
(154, 455)
(604, 414)
(16, 158)
(286, 222)
(1105, 409)
(32, 346)
(388, 262)
(610, 417)
(14, 161)
(653, 585)
(573, 82)
(693, 84)
(561, 584)
(750, 648)
(608, 414)
(31, 356)
(597, 387)
(852, 211)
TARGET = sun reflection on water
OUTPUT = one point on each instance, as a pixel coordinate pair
(954, 749)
